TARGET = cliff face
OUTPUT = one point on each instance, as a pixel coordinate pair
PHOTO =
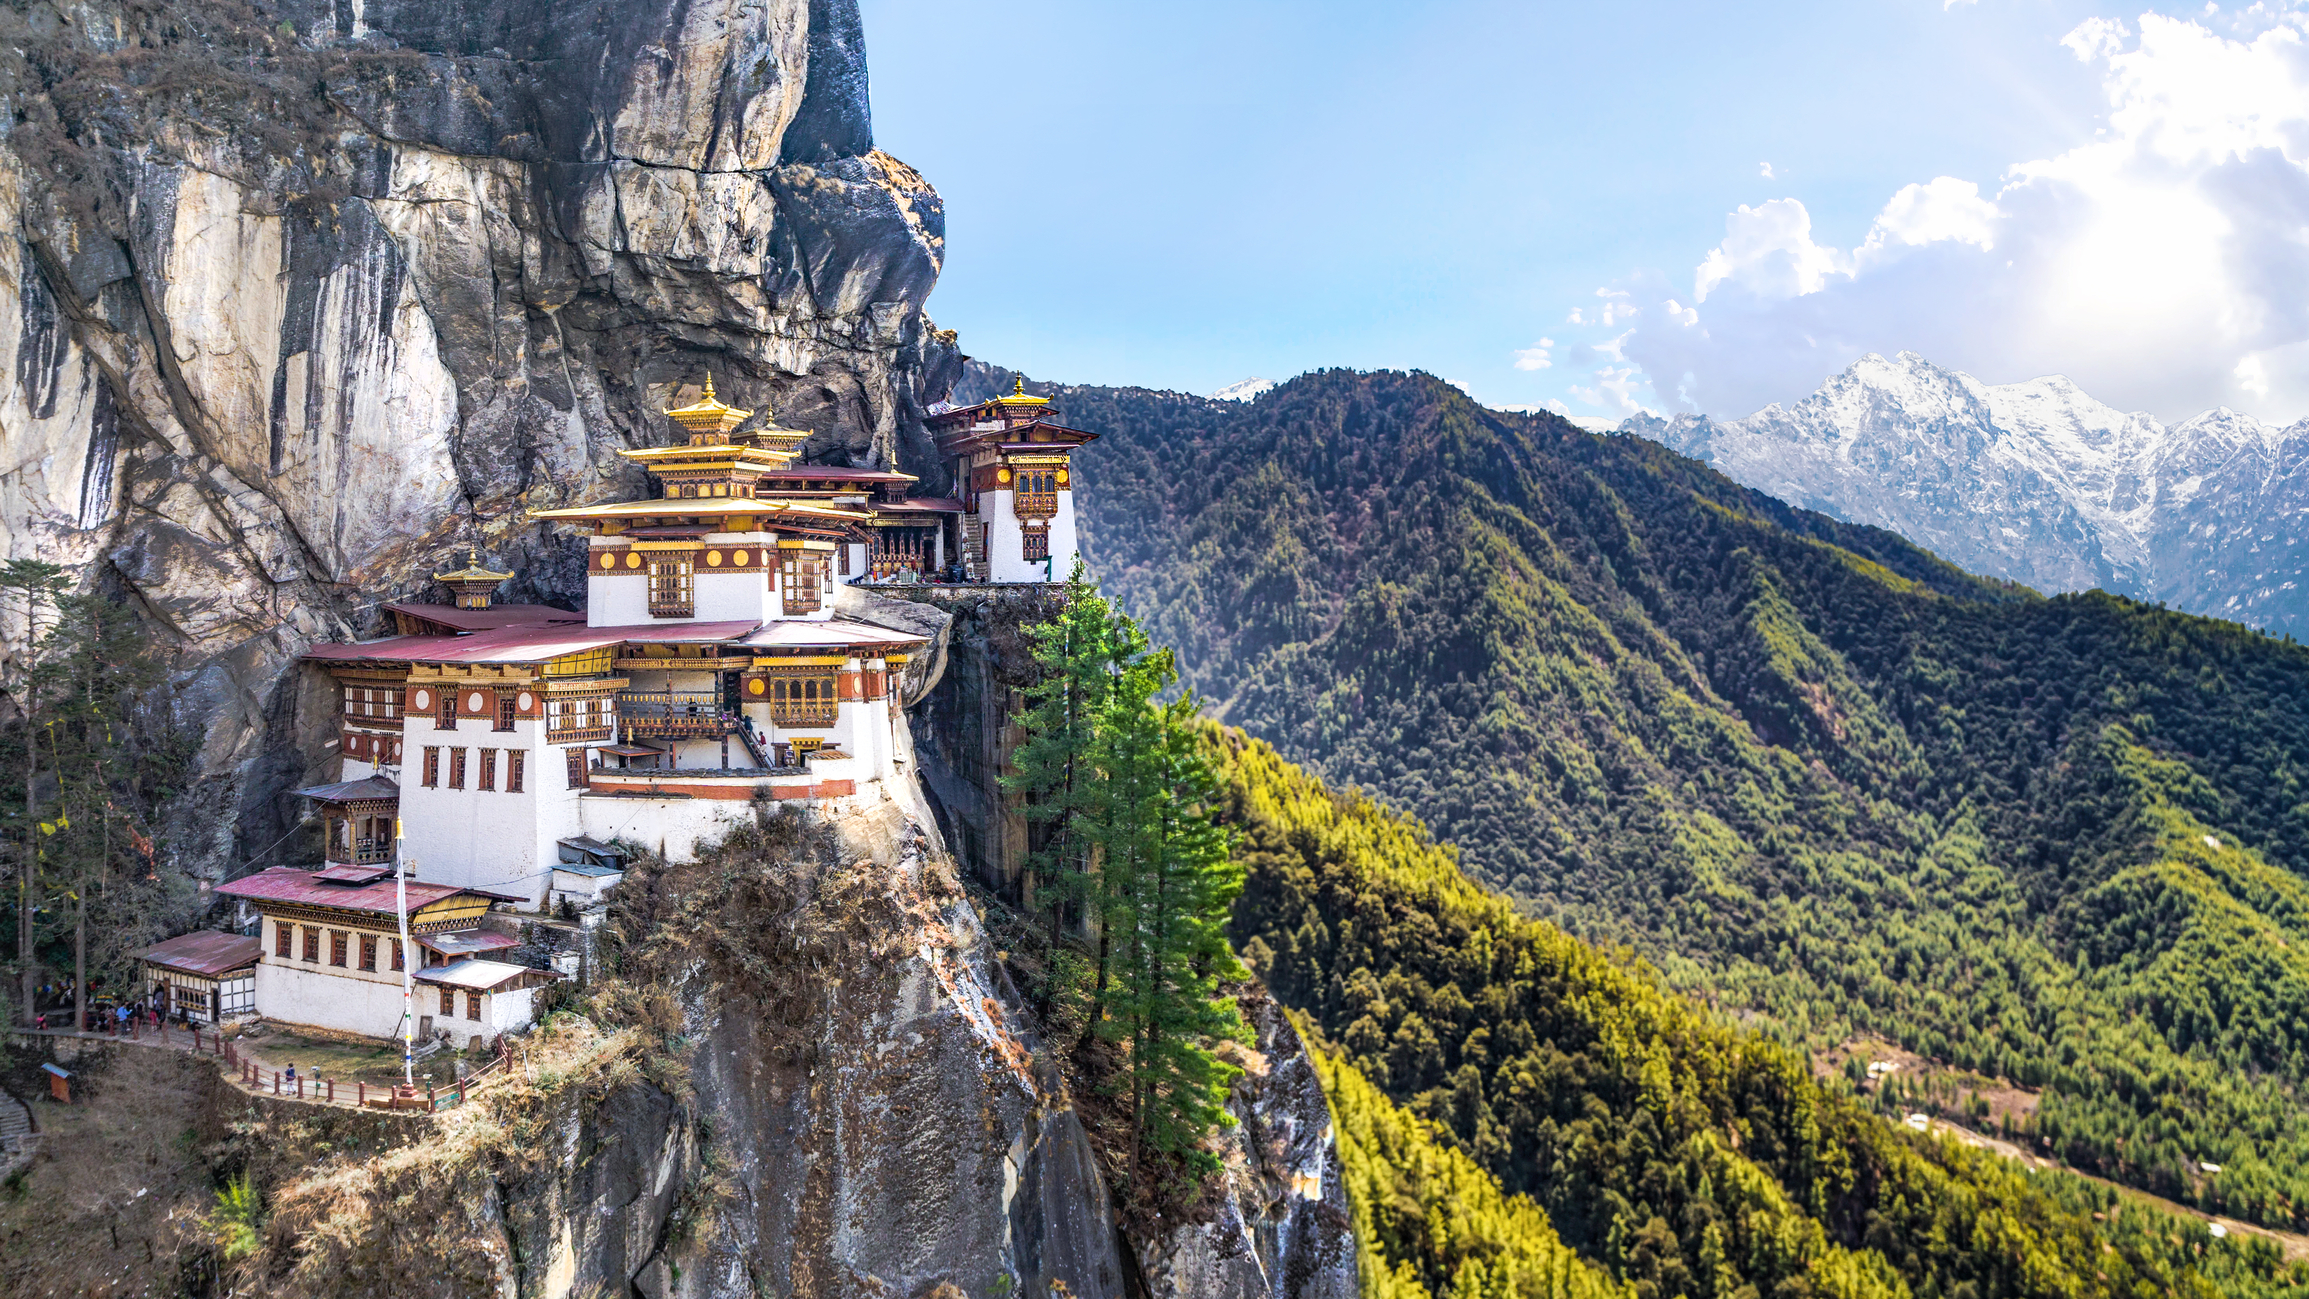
(303, 296)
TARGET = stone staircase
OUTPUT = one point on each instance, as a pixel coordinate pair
(18, 1142)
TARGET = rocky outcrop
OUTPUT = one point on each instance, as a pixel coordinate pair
(1282, 1226)
(302, 297)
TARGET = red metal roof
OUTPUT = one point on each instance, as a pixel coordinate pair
(205, 952)
(465, 942)
(288, 884)
(496, 615)
(368, 789)
(528, 643)
(835, 473)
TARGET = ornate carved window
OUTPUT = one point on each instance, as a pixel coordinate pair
(376, 702)
(515, 760)
(576, 769)
(506, 709)
(337, 947)
(432, 765)
(800, 572)
(448, 1003)
(281, 932)
(312, 944)
(1034, 544)
(472, 1005)
(456, 768)
(672, 583)
(1035, 493)
(802, 696)
(578, 721)
(488, 775)
(445, 712)
(369, 952)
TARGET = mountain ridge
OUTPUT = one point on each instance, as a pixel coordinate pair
(2206, 514)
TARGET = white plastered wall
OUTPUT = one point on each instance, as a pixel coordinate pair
(486, 838)
(1005, 540)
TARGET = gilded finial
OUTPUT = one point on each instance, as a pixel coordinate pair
(1020, 390)
(709, 385)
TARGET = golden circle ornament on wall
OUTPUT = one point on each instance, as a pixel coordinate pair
(608, 560)
(1062, 478)
(741, 558)
(713, 559)
(755, 686)
(633, 559)
(1002, 475)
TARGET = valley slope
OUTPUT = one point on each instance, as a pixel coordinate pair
(1828, 783)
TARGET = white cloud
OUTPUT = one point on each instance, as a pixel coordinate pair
(1947, 209)
(2162, 262)
(1534, 357)
(1614, 390)
(1768, 249)
(1767, 167)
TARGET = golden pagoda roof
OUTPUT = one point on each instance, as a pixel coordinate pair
(707, 415)
(472, 572)
(725, 507)
(1020, 397)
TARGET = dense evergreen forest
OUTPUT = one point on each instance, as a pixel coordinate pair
(1823, 781)
(1523, 1115)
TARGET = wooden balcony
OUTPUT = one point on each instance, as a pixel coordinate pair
(674, 714)
(1035, 505)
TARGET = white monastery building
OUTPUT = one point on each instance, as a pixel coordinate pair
(512, 748)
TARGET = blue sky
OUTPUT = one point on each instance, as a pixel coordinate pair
(1185, 194)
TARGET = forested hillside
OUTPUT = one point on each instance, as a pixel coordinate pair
(1656, 1150)
(1822, 780)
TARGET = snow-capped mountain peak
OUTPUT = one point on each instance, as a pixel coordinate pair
(1242, 390)
(2036, 481)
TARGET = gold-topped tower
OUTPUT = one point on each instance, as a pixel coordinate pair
(472, 584)
(709, 421)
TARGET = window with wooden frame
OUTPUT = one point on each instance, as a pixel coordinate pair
(281, 934)
(380, 702)
(799, 576)
(803, 696)
(1034, 544)
(578, 720)
(312, 944)
(577, 769)
(456, 768)
(400, 954)
(506, 710)
(1036, 493)
(369, 952)
(448, 1003)
(488, 774)
(672, 585)
(842, 557)
(337, 946)
(473, 1006)
(432, 766)
(515, 760)
(445, 715)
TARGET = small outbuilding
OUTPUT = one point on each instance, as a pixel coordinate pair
(209, 975)
(59, 1084)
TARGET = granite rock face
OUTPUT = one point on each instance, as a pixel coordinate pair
(1283, 1229)
(870, 1122)
(303, 297)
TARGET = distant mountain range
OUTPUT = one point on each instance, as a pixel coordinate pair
(2038, 483)
(1243, 390)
